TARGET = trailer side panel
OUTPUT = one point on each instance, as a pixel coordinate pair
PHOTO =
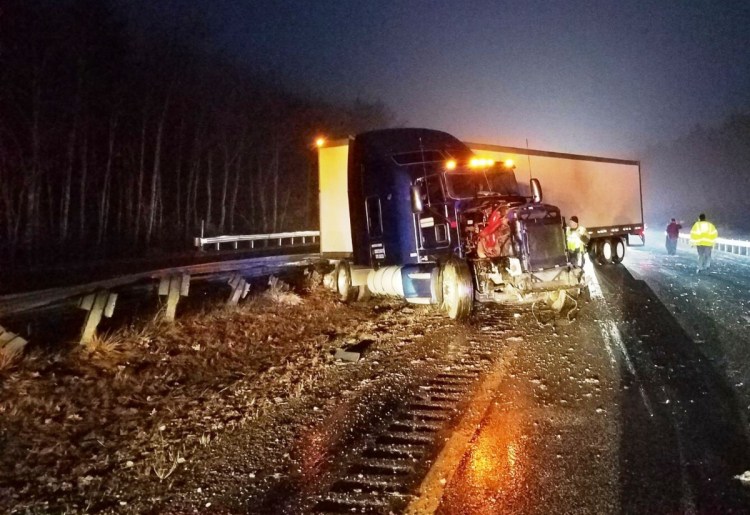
(601, 192)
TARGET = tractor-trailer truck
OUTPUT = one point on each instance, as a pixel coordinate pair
(416, 213)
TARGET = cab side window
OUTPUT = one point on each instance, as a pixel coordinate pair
(434, 190)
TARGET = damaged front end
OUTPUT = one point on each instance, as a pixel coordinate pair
(502, 280)
(533, 263)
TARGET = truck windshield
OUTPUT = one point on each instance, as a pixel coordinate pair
(477, 184)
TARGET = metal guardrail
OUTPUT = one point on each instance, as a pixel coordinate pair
(217, 241)
(27, 301)
(99, 298)
(737, 247)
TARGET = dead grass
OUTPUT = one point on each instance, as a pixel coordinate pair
(165, 459)
(8, 360)
(139, 401)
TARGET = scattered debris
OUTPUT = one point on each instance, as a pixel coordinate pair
(281, 292)
(353, 350)
(344, 355)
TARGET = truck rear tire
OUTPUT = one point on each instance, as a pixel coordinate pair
(347, 292)
(457, 288)
(618, 250)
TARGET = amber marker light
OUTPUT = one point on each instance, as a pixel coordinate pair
(481, 162)
(450, 165)
(320, 142)
(509, 163)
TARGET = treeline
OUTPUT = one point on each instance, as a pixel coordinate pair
(708, 171)
(114, 141)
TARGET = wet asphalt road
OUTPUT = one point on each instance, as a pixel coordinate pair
(638, 405)
(619, 412)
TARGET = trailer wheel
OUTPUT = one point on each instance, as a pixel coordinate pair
(347, 293)
(457, 288)
(618, 250)
(604, 252)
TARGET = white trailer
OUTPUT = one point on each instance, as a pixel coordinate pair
(604, 193)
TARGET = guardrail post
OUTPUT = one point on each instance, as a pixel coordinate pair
(240, 288)
(11, 344)
(98, 304)
(173, 287)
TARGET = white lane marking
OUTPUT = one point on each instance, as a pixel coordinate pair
(616, 336)
(595, 289)
(610, 333)
(608, 345)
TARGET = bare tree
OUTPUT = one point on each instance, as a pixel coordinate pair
(156, 172)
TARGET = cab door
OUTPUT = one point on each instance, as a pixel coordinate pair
(374, 216)
(432, 222)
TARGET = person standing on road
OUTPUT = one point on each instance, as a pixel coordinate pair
(673, 233)
(576, 237)
(702, 235)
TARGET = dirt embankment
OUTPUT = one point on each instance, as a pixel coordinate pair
(81, 429)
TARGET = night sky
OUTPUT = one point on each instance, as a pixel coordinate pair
(593, 77)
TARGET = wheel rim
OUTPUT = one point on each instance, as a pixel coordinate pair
(449, 288)
(342, 280)
(607, 251)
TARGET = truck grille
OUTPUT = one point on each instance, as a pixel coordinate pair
(546, 244)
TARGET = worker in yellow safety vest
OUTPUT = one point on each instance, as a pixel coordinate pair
(702, 236)
(576, 237)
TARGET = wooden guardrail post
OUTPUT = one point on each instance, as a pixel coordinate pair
(240, 288)
(98, 304)
(173, 287)
(10, 343)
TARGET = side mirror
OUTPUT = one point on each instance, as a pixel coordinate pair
(416, 200)
(536, 191)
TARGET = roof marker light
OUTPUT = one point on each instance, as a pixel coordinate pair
(481, 162)
(450, 165)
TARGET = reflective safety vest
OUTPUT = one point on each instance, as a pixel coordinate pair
(576, 238)
(703, 234)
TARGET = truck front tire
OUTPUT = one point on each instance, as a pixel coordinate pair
(347, 292)
(457, 288)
